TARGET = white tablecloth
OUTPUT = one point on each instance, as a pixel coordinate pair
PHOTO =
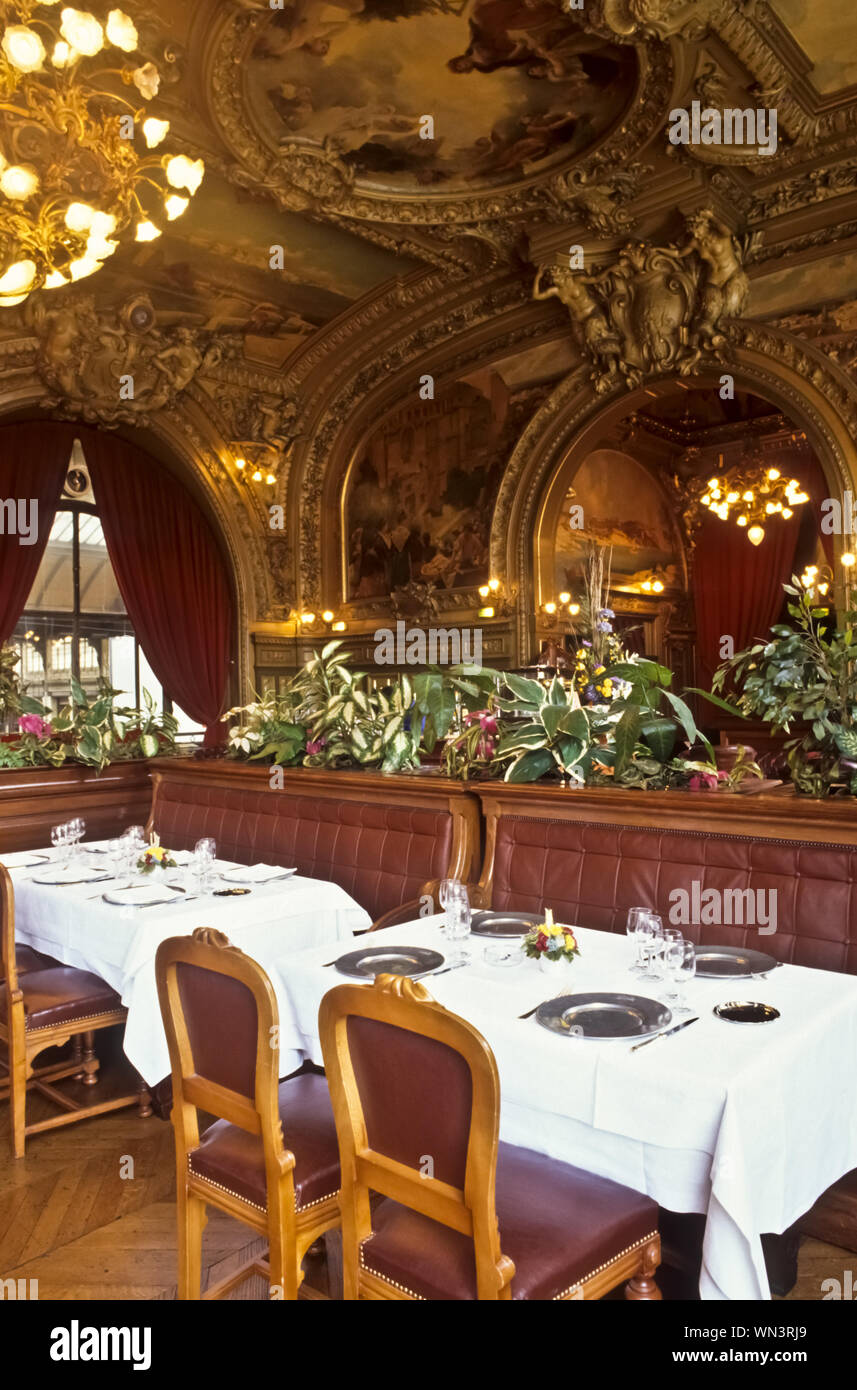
(74, 925)
(746, 1123)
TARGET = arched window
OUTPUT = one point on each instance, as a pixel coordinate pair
(75, 622)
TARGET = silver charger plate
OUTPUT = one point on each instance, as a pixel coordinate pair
(731, 962)
(603, 1017)
(83, 875)
(745, 1011)
(503, 923)
(389, 960)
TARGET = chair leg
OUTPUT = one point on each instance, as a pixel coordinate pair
(18, 1096)
(191, 1223)
(642, 1285)
(90, 1061)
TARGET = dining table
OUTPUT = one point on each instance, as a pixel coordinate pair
(73, 922)
(746, 1123)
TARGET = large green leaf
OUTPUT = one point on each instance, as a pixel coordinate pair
(552, 716)
(530, 766)
(625, 737)
(715, 700)
(529, 691)
(846, 742)
(659, 735)
(556, 692)
(568, 750)
(149, 745)
(78, 694)
(522, 736)
(31, 706)
(441, 707)
(637, 672)
(330, 648)
(684, 716)
(576, 723)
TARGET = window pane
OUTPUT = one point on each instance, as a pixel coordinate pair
(187, 727)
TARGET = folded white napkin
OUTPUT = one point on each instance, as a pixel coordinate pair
(96, 846)
(24, 859)
(257, 873)
(181, 856)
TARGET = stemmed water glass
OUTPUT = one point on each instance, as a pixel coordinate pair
(457, 911)
(76, 831)
(651, 944)
(637, 925)
(447, 888)
(61, 842)
(682, 967)
(204, 854)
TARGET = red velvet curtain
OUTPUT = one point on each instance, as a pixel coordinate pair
(34, 456)
(738, 586)
(170, 574)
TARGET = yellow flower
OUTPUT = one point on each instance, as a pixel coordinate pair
(155, 852)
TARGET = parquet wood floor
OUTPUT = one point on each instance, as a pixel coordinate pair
(69, 1218)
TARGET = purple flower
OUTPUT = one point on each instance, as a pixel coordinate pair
(603, 627)
(34, 724)
(315, 745)
(606, 613)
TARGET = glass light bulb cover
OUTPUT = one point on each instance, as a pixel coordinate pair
(121, 31)
(82, 31)
(24, 48)
(146, 231)
(78, 217)
(19, 182)
(174, 206)
(154, 131)
(19, 278)
(147, 80)
(184, 173)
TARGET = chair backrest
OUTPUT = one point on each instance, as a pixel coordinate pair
(416, 1098)
(221, 1021)
(8, 971)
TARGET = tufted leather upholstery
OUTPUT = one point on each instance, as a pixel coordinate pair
(381, 855)
(557, 1224)
(591, 873)
(61, 995)
(235, 1160)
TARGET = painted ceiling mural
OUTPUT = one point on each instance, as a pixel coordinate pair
(508, 84)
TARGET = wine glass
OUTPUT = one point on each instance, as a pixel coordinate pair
(76, 830)
(634, 924)
(204, 852)
(672, 955)
(135, 835)
(60, 842)
(652, 944)
(458, 923)
(447, 888)
(683, 971)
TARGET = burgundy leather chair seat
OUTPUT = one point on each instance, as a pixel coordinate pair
(63, 995)
(28, 959)
(233, 1159)
(557, 1223)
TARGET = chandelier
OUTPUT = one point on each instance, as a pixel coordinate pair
(753, 496)
(74, 134)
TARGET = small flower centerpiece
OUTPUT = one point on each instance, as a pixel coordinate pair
(155, 856)
(551, 943)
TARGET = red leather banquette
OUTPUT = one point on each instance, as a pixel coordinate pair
(384, 840)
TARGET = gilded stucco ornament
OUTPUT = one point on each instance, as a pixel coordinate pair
(654, 308)
(112, 368)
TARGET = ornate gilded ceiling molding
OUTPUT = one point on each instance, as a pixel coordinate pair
(301, 176)
(111, 367)
(655, 308)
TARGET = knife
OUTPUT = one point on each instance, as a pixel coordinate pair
(668, 1034)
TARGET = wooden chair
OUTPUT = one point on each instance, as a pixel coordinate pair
(416, 1098)
(220, 1016)
(44, 1006)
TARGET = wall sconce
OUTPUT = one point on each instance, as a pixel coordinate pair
(258, 476)
(308, 619)
(652, 584)
(492, 587)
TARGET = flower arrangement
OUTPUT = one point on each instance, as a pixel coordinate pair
(550, 941)
(155, 857)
